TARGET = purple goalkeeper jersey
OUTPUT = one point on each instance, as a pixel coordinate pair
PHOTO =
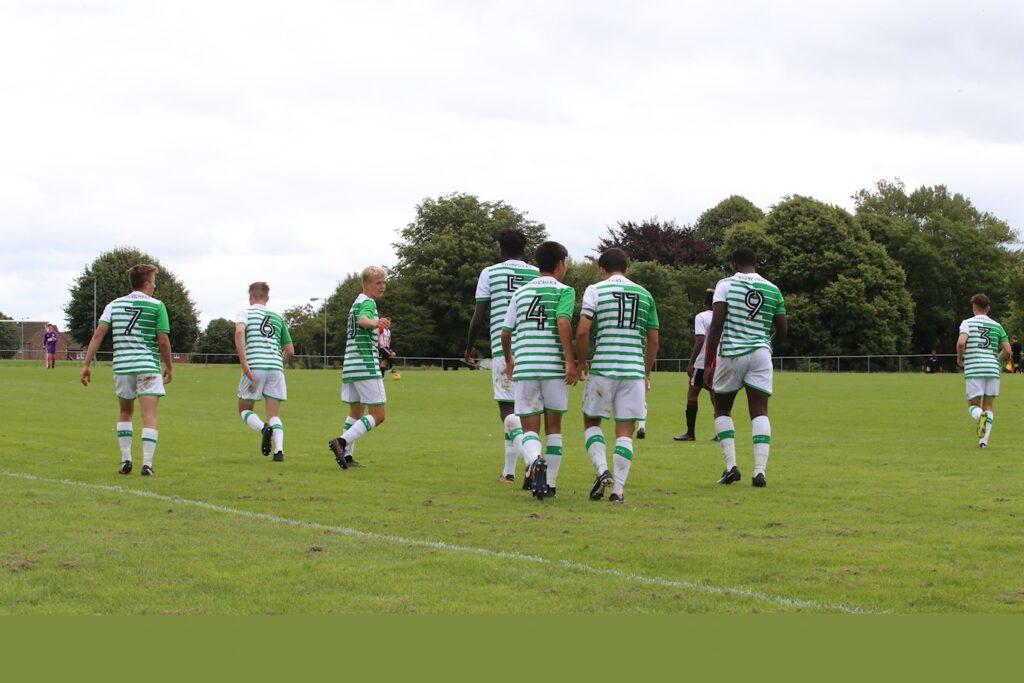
(50, 339)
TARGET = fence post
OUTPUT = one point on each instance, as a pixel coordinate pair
(869, 365)
(899, 363)
(839, 364)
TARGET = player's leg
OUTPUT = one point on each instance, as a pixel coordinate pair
(125, 414)
(556, 402)
(692, 394)
(148, 405)
(513, 432)
(275, 391)
(727, 381)
(250, 391)
(988, 406)
(641, 425)
(758, 381)
(369, 393)
(975, 395)
(629, 402)
(529, 406)
(597, 405)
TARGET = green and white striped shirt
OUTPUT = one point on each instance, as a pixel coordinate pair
(751, 305)
(134, 321)
(984, 339)
(496, 285)
(622, 311)
(265, 335)
(361, 359)
(532, 317)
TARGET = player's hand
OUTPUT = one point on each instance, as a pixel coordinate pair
(248, 373)
(959, 362)
(167, 375)
(508, 369)
(470, 361)
(572, 375)
(689, 370)
(647, 383)
(709, 378)
(384, 322)
(581, 371)
(86, 375)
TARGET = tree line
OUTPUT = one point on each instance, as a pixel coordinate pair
(894, 276)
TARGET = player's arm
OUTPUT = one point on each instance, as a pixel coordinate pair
(240, 349)
(368, 323)
(781, 328)
(506, 349)
(572, 373)
(1004, 351)
(583, 344)
(961, 346)
(698, 344)
(90, 353)
(651, 353)
(711, 342)
(164, 342)
(480, 314)
(288, 351)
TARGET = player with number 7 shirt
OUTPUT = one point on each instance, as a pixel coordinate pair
(139, 328)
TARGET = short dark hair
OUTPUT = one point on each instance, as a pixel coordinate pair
(613, 260)
(981, 301)
(512, 242)
(140, 274)
(744, 256)
(550, 254)
(709, 298)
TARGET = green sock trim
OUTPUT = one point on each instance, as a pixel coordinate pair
(624, 452)
(120, 433)
(149, 440)
(508, 437)
(727, 434)
(245, 415)
(762, 438)
(553, 450)
(348, 422)
(527, 439)
(366, 423)
(281, 427)
(989, 420)
(594, 439)
(515, 433)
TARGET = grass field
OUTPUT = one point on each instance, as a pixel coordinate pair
(878, 500)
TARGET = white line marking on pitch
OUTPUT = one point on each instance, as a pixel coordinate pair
(696, 587)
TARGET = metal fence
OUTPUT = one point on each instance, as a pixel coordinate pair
(836, 364)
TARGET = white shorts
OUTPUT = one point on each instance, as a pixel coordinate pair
(625, 396)
(130, 386)
(269, 384)
(534, 396)
(502, 385)
(368, 391)
(981, 387)
(753, 370)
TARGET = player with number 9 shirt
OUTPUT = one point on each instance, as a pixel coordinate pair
(744, 309)
(263, 344)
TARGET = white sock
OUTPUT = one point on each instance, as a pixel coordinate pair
(278, 433)
(553, 454)
(762, 430)
(350, 447)
(726, 432)
(252, 419)
(124, 439)
(974, 412)
(149, 437)
(596, 449)
(361, 426)
(989, 419)
(531, 447)
(623, 457)
(513, 443)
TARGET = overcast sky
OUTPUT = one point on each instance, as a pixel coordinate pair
(289, 141)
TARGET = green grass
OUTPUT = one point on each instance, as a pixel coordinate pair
(878, 499)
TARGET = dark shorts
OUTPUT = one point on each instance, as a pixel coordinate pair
(698, 378)
(51, 349)
(384, 355)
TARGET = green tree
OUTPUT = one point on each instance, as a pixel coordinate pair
(844, 294)
(712, 224)
(949, 251)
(305, 325)
(110, 272)
(218, 340)
(9, 340)
(440, 257)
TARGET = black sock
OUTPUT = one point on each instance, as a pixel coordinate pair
(691, 418)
